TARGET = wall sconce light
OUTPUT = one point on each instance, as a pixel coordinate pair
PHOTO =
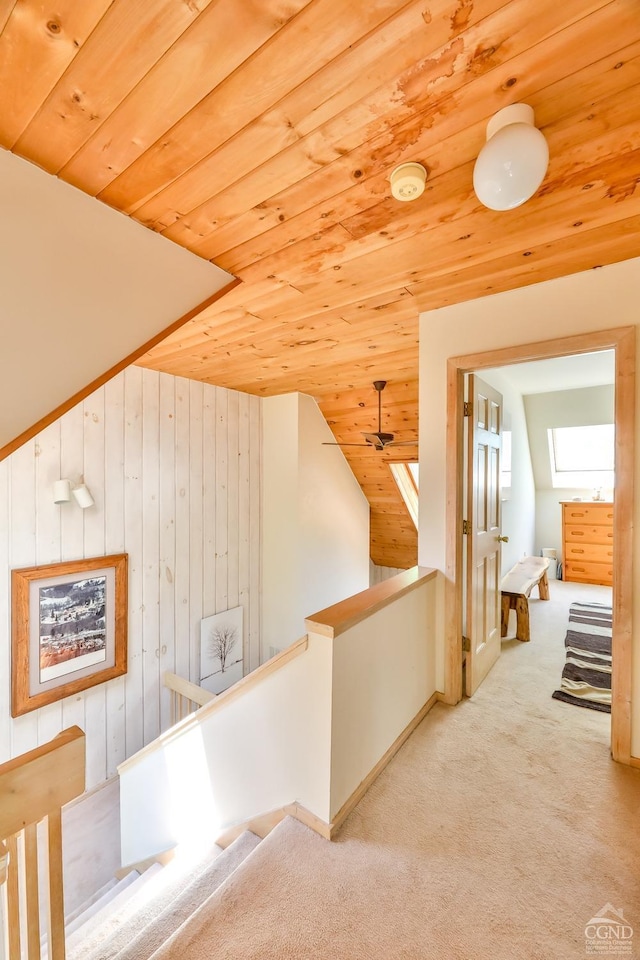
(82, 495)
(62, 491)
(514, 160)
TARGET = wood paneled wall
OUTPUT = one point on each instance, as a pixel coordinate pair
(174, 467)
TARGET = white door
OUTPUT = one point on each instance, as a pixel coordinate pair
(482, 626)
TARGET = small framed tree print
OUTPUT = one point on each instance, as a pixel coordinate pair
(221, 644)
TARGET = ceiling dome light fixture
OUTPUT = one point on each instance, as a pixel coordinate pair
(407, 181)
(513, 162)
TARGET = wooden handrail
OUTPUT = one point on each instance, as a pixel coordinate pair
(219, 703)
(335, 620)
(34, 787)
(185, 695)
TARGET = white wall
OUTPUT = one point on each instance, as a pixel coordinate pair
(82, 287)
(309, 731)
(315, 520)
(268, 748)
(384, 671)
(333, 516)
(518, 500)
(281, 619)
(562, 408)
(174, 467)
(580, 303)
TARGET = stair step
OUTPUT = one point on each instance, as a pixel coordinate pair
(115, 912)
(74, 914)
(106, 938)
(202, 934)
(153, 925)
(101, 903)
(101, 894)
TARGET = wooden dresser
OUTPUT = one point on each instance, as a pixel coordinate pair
(587, 541)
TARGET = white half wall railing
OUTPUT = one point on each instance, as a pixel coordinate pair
(383, 675)
(310, 728)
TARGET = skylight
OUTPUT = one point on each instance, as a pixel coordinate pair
(406, 476)
(582, 456)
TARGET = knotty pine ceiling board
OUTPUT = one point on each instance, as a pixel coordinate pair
(418, 126)
(260, 134)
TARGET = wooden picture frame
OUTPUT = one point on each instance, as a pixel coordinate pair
(68, 629)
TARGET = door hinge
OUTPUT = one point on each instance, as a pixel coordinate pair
(466, 527)
(467, 409)
(466, 645)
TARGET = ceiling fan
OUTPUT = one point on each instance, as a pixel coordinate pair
(378, 440)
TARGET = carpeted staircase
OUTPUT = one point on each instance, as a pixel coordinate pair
(498, 831)
(136, 916)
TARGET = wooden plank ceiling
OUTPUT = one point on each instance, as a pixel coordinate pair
(260, 134)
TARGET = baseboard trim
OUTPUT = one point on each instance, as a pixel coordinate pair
(261, 825)
(309, 819)
(264, 823)
(360, 791)
(446, 699)
(634, 762)
(141, 865)
(91, 793)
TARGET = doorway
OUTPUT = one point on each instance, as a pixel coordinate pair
(622, 342)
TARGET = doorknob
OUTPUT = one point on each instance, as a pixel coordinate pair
(502, 539)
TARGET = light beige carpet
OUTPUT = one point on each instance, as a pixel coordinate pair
(499, 830)
(153, 928)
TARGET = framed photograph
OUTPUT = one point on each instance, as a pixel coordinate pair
(221, 643)
(68, 629)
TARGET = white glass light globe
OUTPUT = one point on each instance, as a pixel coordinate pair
(513, 162)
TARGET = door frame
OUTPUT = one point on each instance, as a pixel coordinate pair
(623, 341)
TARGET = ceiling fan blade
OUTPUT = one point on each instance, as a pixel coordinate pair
(377, 441)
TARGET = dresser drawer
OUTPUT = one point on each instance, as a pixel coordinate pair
(590, 513)
(588, 533)
(587, 541)
(588, 572)
(599, 552)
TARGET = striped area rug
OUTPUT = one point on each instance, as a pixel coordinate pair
(586, 678)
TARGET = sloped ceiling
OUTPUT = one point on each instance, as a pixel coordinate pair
(82, 288)
(561, 373)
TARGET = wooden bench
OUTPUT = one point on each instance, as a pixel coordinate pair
(516, 588)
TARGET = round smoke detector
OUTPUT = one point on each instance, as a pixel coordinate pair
(407, 181)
